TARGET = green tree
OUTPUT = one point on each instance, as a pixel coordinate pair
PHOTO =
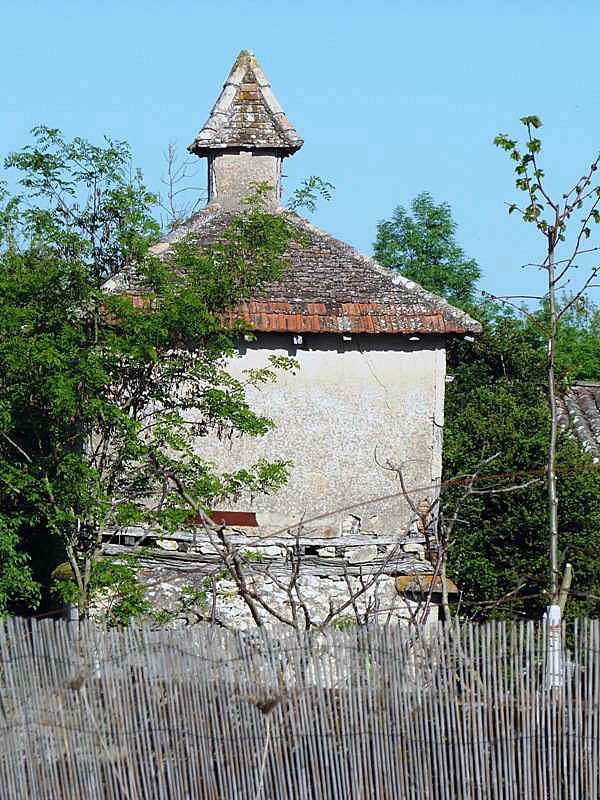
(422, 246)
(565, 249)
(578, 343)
(497, 404)
(113, 363)
(18, 587)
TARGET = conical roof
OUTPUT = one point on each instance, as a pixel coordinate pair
(247, 115)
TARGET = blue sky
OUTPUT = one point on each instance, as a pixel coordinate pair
(392, 98)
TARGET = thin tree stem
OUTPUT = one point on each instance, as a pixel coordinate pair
(552, 493)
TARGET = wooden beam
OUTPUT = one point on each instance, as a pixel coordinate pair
(279, 566)
(254, 538)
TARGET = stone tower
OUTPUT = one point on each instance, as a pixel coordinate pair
(246, 137)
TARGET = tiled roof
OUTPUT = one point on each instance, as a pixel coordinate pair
(305, 317)
(579, 410)
(246, 115)
(330, 287)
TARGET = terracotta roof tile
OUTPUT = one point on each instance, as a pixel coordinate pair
(330, 287)
(334, 320)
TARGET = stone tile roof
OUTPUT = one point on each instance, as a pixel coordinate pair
(332, 288)
(246, 115)
(579, 410)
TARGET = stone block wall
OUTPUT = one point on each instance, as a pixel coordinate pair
(355, 575)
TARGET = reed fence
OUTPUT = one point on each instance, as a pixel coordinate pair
(455, 713)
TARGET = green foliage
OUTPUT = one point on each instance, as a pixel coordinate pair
(343, 623)
(18, 589)
(190, 605)
(252, 557)
(114, 586)
(550, 217)
(497, 404)
(571, 344)
(578, 343)
(422, 247)
(106, 391)
(307, 195)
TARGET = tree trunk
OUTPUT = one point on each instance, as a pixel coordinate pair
(551, 462)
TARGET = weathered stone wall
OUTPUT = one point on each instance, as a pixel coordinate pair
(232, 174)
(351, 404)
(380, 604)
(321, 570)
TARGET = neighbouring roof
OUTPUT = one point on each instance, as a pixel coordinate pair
(579, 410)
(330, 287)
(246, 114)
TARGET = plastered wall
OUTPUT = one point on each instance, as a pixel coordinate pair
(231, 175)
(350, 408)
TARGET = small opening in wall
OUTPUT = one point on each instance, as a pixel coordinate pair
(350, 524)
(311, 550)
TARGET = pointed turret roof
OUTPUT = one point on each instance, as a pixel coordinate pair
(247, 115)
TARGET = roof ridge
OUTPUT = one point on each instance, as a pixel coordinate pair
(396, 278)
(207, 138)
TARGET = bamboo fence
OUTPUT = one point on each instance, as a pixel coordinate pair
(451, 713)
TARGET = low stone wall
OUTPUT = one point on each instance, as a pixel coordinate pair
(379, 604)
(330, 579)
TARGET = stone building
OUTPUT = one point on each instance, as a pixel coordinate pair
(369, 392)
